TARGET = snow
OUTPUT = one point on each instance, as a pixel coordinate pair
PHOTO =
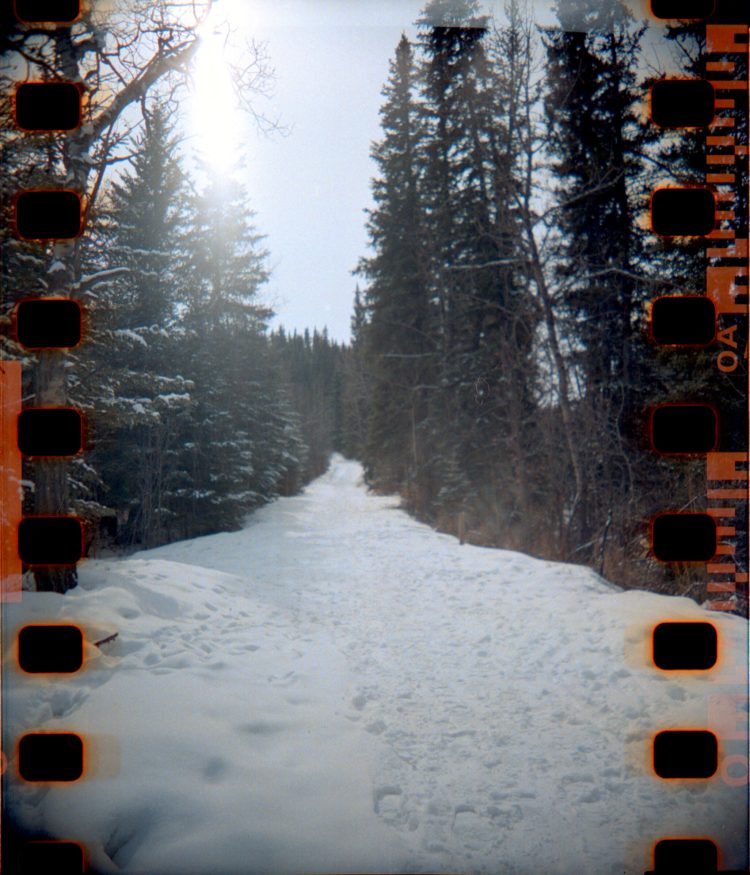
(338, 688)
(130, 335)
(100, 276)
(174, 398)
(32, 259)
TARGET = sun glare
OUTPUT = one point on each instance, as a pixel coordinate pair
(215, 117)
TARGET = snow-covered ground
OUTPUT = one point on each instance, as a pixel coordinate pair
(339, 688)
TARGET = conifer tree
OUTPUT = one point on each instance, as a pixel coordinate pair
(396, 339)
(597, 144)
(486, 314)
(356, 391)
(116, 76)
(146, 209)
(242, 443)
(125, 378)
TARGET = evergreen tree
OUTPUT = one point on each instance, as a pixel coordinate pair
(220, 313)
(597, 145)
(117, 73)
(356, 380)
(242, 443)
(396, 337)
(146, 210)
(125, 378)
(450, 316)
(487, 314)
(456, 197)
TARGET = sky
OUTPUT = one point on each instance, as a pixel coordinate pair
(309, 184)
(312, 186)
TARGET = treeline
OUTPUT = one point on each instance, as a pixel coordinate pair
(196, 413)
(502, 329)
(500, 370)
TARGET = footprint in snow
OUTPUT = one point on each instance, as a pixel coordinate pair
(250, 648)
(381, 794)
(300, 700)
(215, 769)
(577, 778)
(504, 815)
(285, 681)
(127, 613)
(359, 701)
(261, 727)
(63, 702)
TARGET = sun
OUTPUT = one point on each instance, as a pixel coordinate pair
(215, 118)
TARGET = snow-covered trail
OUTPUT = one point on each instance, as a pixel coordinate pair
(372, 696)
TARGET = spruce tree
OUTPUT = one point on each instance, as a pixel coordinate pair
(396, 338)
(597, 144)
(117, 72)
(486, 315)
(146, 211)
(356, 391)
(125, 378)
(242, 444)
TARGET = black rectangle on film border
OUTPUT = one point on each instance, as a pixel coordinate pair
(50, 756)
(684, 646)
(685, 855)
(47, 11)
(683, 320)
(50, 540)
(50, 649)
(682, 103)
(48, 323)
(50, 431)
(682, 9)
(684, 429)
(48, 214)
(60, 858)
(683, 537)
(48, 106)
(683, 212)
(685, 753)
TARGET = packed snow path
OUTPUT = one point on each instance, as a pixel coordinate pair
(338, 687)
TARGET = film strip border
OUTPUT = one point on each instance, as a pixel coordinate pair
(727, 287)
(45, 434)
(715, 212)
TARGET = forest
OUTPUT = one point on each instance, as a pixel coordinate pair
(500, 371)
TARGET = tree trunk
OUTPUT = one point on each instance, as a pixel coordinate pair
(566, 413)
